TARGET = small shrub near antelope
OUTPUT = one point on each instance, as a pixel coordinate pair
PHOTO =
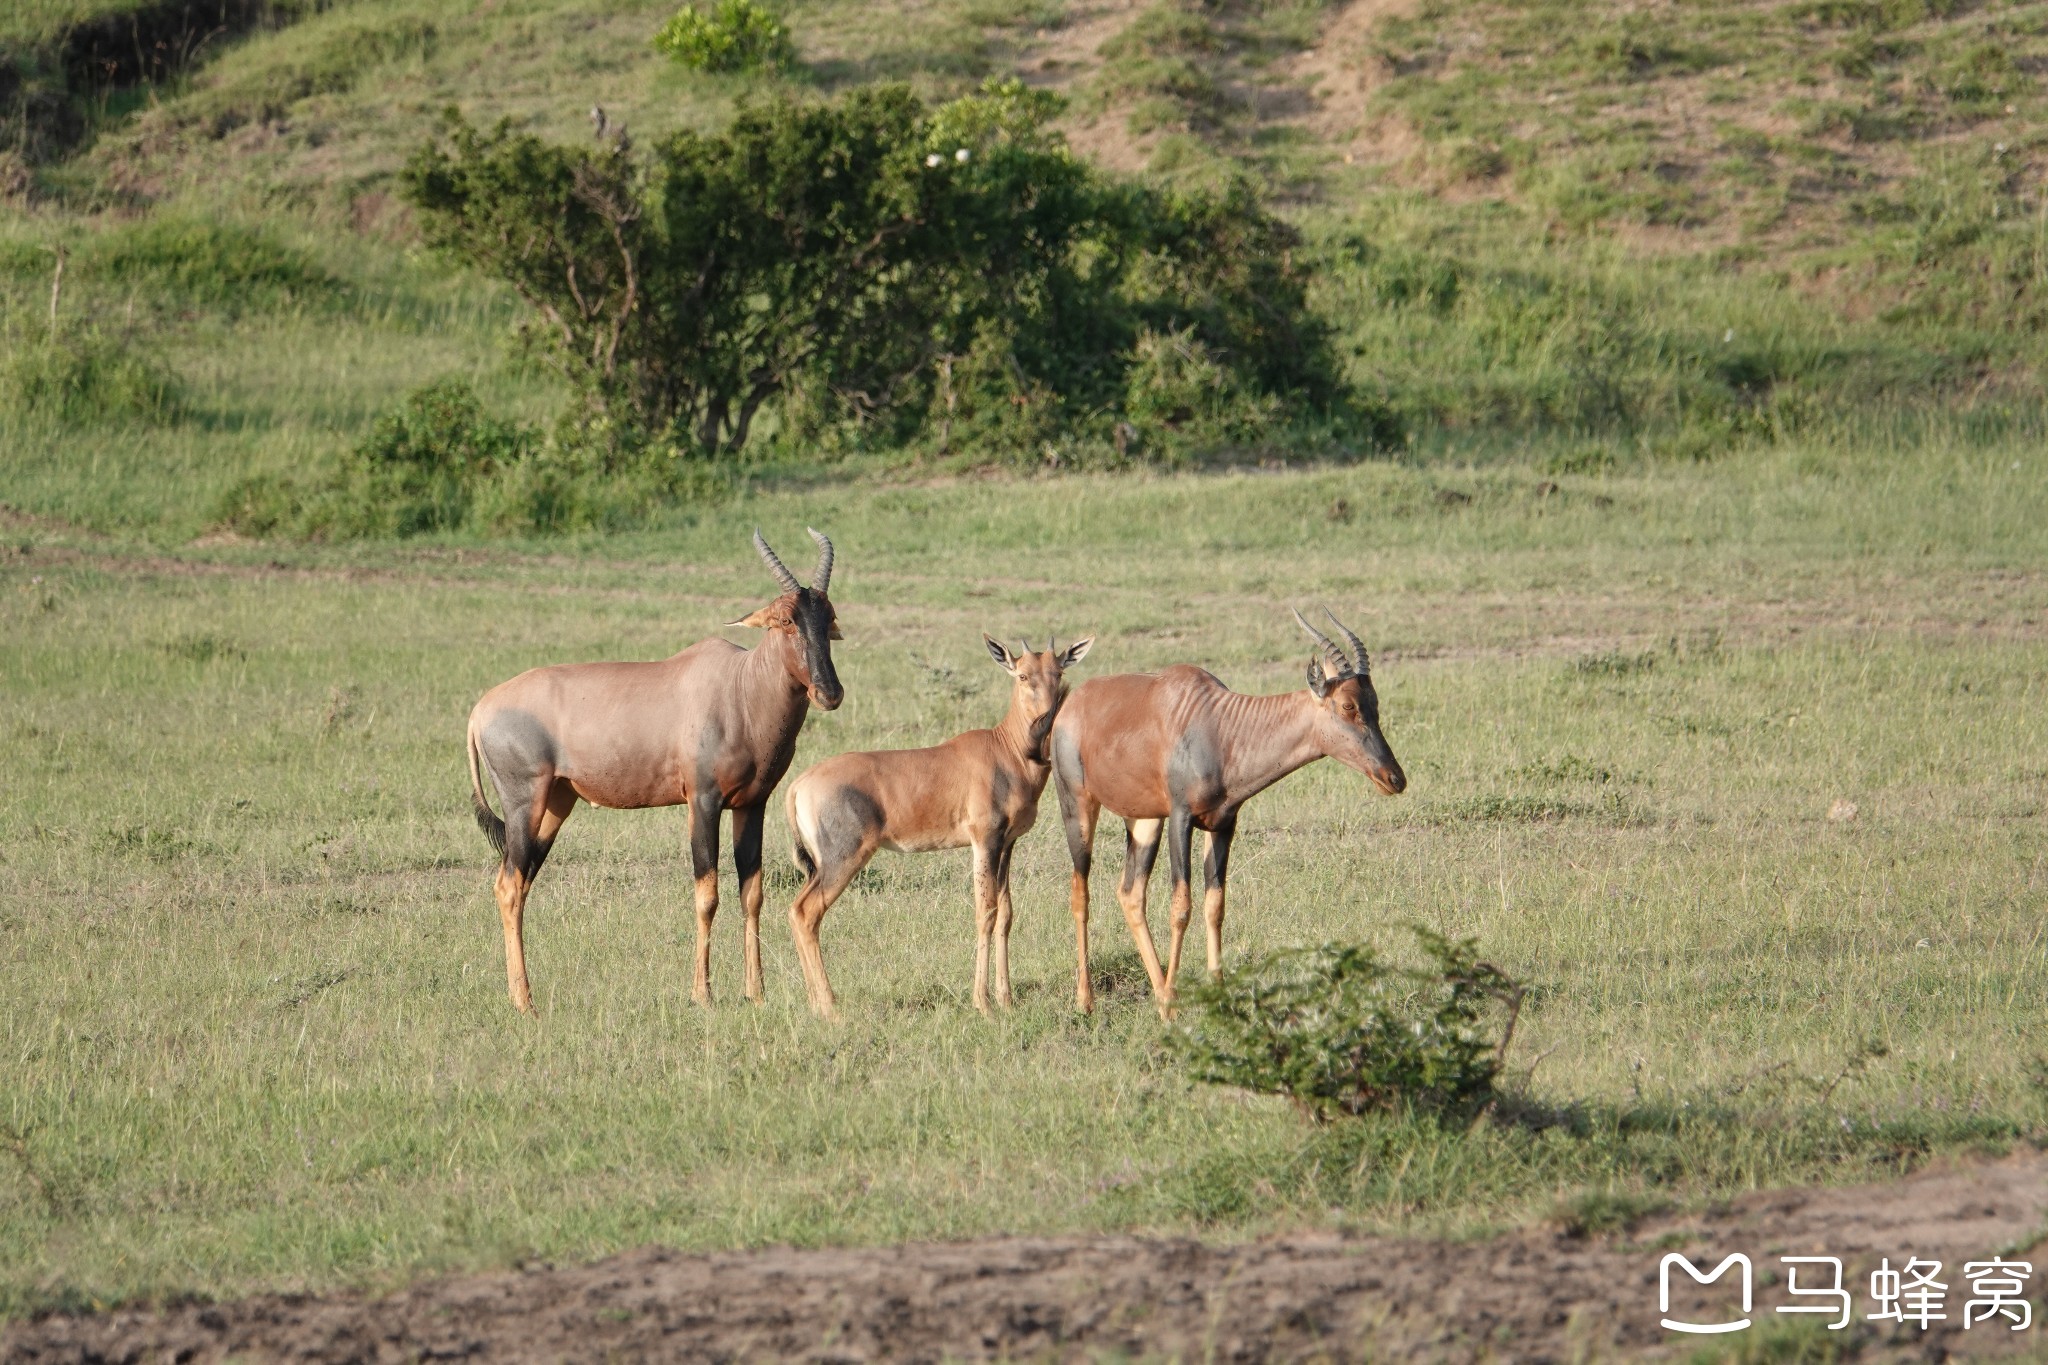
(1341, 1031)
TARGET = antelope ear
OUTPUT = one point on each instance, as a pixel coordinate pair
(1000, 652)
(1318, 683)
(759, 620)
(1076, 652)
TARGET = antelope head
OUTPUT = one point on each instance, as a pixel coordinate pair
(1348, 715)
(1037, 687)
(805, 616)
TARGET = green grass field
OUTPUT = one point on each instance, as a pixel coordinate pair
(256, 1030)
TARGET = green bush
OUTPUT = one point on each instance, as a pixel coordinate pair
(737, 35)
(441, 463)
(420, 467)
(1341, 1032)
(877, 272)
(87, 377)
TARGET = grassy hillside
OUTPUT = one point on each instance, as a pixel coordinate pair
(1558, 233)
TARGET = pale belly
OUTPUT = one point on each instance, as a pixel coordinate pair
(927, 841)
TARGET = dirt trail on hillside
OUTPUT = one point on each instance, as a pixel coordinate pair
(1536, 1295)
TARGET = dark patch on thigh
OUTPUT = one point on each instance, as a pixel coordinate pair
(517, 747)
(843, 825)
(519, 757)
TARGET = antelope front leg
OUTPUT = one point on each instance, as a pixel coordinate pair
(747, 824)
(986, 857)
(1180, 835)
(1004, 915)
(1215, 868)
(704, 813)
(1141, 846)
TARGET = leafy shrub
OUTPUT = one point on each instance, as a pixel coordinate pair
(1341, 1032)
(420, 467)
(87, 376)
(880, 272)
(440, 462)
(1180, 391)
(737, 35)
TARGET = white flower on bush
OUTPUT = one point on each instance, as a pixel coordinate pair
(934, 159)
(961, 156)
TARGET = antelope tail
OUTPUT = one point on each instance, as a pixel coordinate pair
(799, 852)
(486, 819)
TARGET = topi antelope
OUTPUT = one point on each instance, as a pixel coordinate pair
(1177, 748)
(713, 727)
(979, 789)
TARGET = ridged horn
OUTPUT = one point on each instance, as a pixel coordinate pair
(1357, 645)
(776, 566)
(821, 581)
(1339, 665)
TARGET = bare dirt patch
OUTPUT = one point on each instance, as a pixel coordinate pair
(1341, 71)
(1539, 1294)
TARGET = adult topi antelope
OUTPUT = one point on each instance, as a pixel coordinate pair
(713, 728)
(979, 789)
(1180, 750)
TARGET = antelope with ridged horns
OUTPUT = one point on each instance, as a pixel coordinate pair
(977, 790)
(1177, 750)
(712, 728)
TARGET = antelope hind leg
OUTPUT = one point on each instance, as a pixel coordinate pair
(837, 867)
(510, 889)
(528, 837)
(1078, 814)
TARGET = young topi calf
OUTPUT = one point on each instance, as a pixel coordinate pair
(1178, 748)
(979, 789)
(714, 726)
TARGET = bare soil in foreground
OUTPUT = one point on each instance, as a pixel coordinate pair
(1541, 1294)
